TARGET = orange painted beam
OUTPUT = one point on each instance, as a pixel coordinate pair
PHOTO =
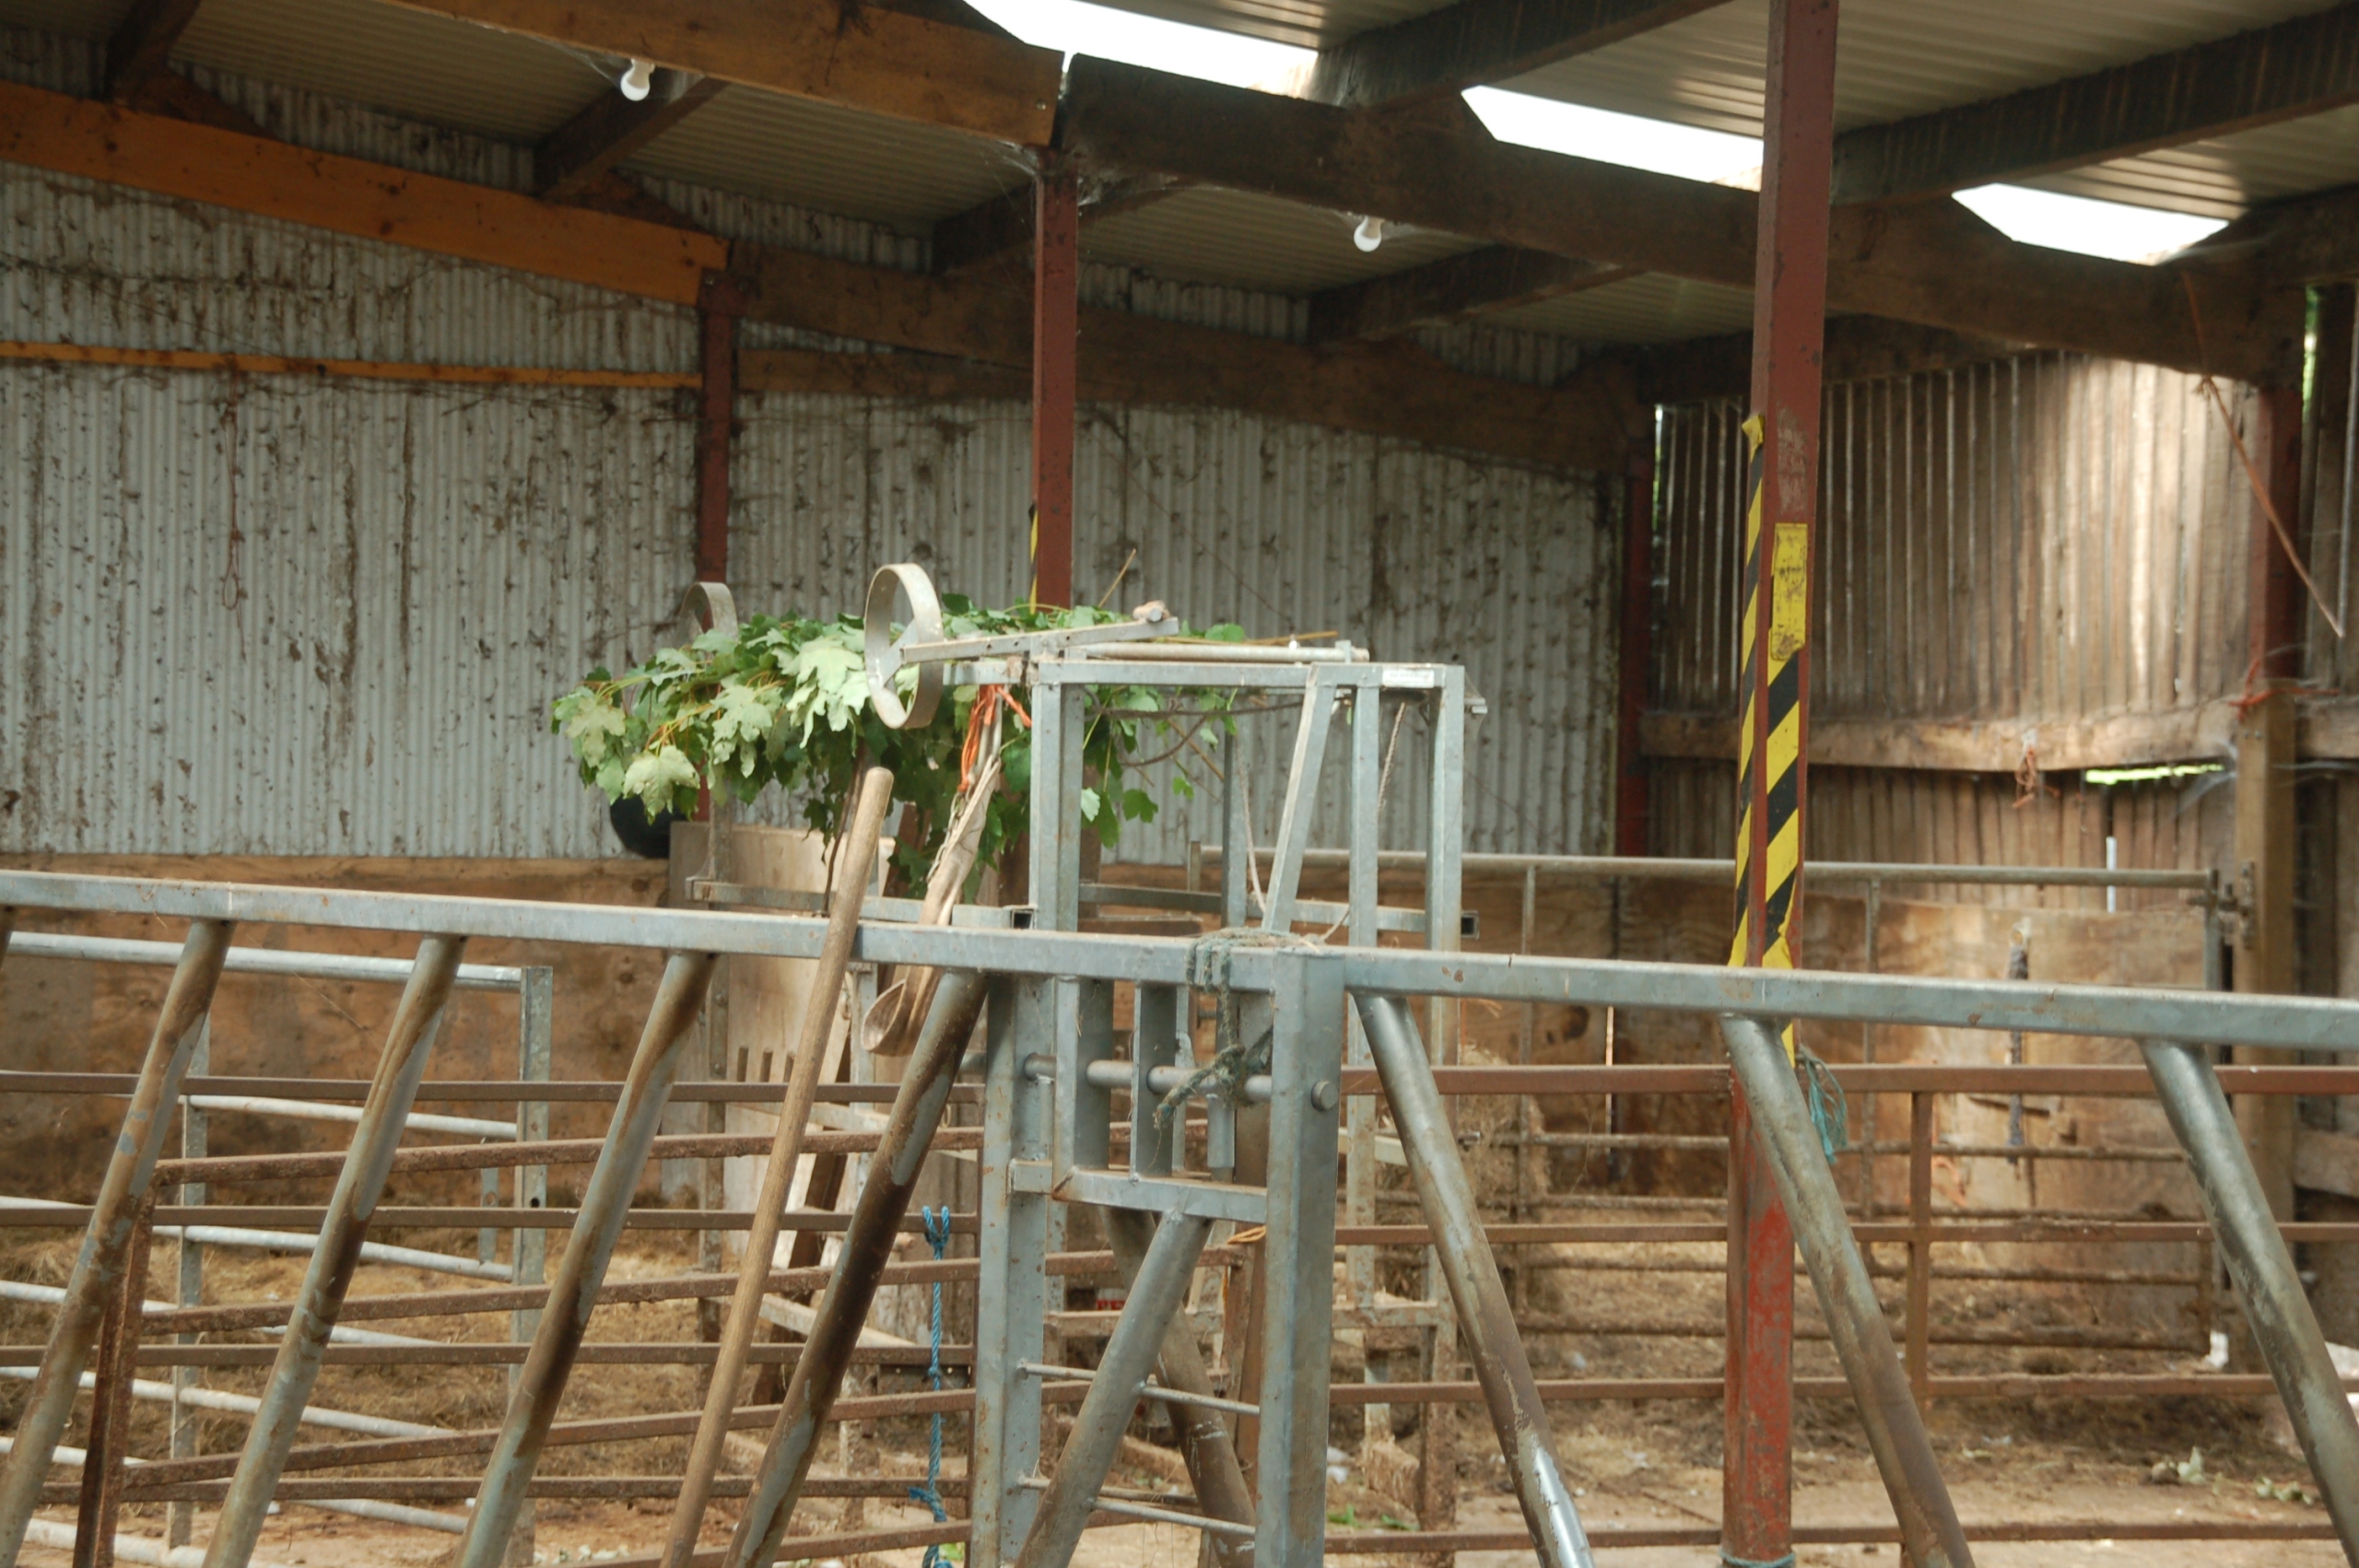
(349, 195)
(859, 57)
(208, 360)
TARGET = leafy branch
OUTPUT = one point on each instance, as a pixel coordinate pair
(783, 703)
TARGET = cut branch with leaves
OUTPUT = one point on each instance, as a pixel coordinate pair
(783, 703)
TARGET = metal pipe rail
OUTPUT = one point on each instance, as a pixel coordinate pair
(1642, 868)
(2306, 1024)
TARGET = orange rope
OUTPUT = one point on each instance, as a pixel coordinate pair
(2252, 471)
(989, 701)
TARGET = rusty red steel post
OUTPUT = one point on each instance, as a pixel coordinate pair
(106, 1242)
(1890, 1418)
(1056, 349)
(1789, 337)
(605, 1202)
(99, 1501)
(1920, 1244)
(401, 1066)
(717, 308)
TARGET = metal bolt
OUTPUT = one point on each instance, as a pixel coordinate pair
(1323, 1095)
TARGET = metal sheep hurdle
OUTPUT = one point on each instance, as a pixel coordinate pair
(532, 988)
(1051, 1067)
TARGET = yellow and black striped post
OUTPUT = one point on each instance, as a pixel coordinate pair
(1769, 741)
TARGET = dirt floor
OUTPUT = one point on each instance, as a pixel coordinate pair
(1651, 1464)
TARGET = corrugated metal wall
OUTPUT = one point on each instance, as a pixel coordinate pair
(267, 615)
(1414, 554)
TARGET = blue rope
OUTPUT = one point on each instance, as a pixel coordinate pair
(938, 1234)
(1731, 1560)
(1829, 1112)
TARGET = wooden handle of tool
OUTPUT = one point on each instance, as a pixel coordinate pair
(855, 864)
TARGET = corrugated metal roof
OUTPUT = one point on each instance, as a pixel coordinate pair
(1649, 308)
(837, 159)
(1898, 58)
(1244, 240)
(430, 68)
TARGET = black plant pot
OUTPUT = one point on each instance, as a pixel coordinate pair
(649, 837)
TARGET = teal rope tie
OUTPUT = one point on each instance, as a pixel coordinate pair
(937, 1235)
(1731, 1560)
(1830, 1113)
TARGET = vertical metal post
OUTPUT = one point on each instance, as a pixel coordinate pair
(1920, 1245)
(99, 1268)
(1056, 346)
(1445, 902)
(588, 1247)
(716, 413)
(1789, 333)
(1237, 835)
(1011, 1297)
(1114, 1393)
(1318, 716)
(1874, 916)
(2265, 853)
(103, 1461)
(536, 1007)
(1298, 1289)
(1929, 1533)
(2263, 1267)
(301, 1352)
(1509, 1388)
(1366, 841)
(179, 1518)
(1060, 717)
(869, 1242)
(1637, 652)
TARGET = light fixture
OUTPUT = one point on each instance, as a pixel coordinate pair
(639, 80)
(1369, 234)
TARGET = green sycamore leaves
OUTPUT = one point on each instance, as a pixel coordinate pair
(783, 703)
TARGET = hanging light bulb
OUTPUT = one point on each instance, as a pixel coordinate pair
(639, 80)
(1369, 234)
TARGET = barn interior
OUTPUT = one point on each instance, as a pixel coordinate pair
(1734, 613)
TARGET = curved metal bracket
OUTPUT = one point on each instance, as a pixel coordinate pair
(882, 651)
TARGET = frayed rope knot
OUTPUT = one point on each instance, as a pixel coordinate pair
(1829, 1112)
(1212, 961)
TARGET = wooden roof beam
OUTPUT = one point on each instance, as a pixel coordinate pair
(1392, 391)
(140, 49)
(1476, 42)
(999, 230)
(2302, 67)
(1496, 277)
(1932, 263)
(869, 58)
(610, 128)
